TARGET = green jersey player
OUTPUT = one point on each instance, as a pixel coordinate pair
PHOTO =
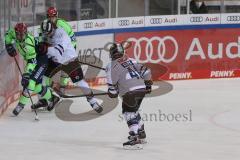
(25, 45)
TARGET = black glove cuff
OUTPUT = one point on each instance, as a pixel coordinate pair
(148, 82)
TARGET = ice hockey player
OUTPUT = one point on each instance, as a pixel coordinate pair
(52, 15)
(25, 45)
(61, 53)
(131, 81)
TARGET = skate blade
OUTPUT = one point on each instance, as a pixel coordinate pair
(133, 147)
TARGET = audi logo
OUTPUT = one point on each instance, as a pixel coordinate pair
(123, 22)
(196, 19)
(149, 51)
(156, 20)
(88, 25)
(233, 18)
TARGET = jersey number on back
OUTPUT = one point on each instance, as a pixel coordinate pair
(129, 65)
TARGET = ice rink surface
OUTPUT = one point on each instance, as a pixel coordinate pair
(209, 131)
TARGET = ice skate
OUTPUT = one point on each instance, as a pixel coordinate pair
(52, 102)
(97, 107)
(141, 135)
(134, 143)
(18, 109)
(92, 101)
(42, 103)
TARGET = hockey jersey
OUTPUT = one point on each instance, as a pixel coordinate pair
(61, 23)
(26, 48)
(127, 75)
(61, 50)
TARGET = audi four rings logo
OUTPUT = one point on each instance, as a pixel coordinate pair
(233, 18)
(156, 20)
(148, 49)
(88, 25)
(196, 19)
(123, 22)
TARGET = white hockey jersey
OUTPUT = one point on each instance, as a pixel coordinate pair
(127, 75)
(61, 50)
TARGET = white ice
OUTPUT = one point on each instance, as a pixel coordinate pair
(212, 134)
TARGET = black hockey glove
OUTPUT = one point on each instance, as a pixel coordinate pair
(11, 50)
(25, 80)
(42, 48)
(148, 84)
(112, 92)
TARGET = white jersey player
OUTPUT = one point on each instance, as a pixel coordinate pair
(61, 52)
(131, 81)
(61, 49)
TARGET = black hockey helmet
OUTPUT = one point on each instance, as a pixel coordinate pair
(116, 51)
(47, 27)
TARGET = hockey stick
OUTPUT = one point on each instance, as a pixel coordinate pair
(76, 96)
(83, 95)
(92, 65)
(36, 115)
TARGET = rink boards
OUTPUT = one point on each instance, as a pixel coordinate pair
(189, 46)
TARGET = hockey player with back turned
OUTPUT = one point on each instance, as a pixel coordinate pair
(131, 81)
(61, 52)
